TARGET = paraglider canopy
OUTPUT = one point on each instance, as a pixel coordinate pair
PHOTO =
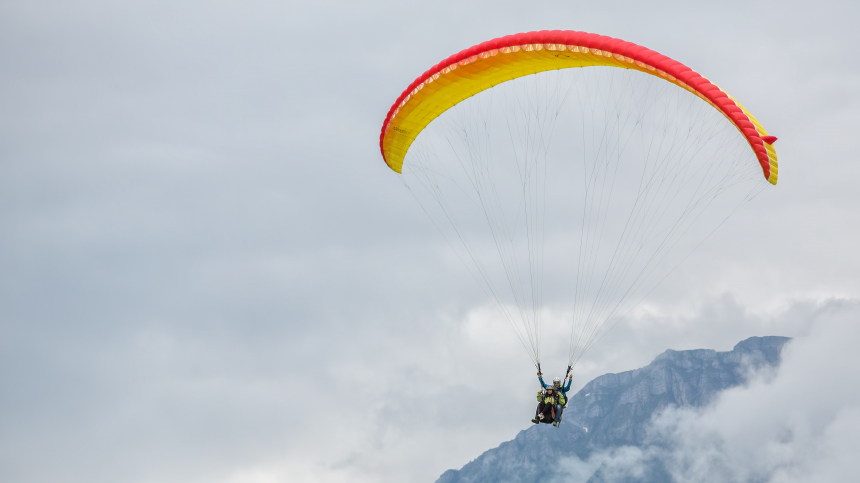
(490, 63)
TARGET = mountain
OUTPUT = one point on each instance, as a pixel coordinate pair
(614, 411)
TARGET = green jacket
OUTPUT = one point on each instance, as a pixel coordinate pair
(557, 398)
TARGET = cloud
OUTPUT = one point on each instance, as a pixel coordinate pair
(625, 463)
(801, 424)
(797, 423)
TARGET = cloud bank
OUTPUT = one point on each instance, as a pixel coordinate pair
(798, 423)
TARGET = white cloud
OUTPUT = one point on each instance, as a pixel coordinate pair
(801, 425)
(797, 423)
(617, 464)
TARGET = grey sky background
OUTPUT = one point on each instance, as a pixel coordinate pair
(199, 238)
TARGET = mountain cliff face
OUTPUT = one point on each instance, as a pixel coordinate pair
(614, 410)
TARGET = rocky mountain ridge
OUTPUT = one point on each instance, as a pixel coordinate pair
(614, 410)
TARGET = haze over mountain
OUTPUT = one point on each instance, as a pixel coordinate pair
(609, 433)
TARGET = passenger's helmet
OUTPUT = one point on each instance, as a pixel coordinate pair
(556, 381)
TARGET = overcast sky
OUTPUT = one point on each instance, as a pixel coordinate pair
(208, 274)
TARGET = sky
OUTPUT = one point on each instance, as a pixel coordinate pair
(207, 272)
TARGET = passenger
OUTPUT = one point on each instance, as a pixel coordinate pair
(547, 401)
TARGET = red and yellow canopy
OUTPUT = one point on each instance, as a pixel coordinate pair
(490, 63)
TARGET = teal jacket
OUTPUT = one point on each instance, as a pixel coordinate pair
(562, 389)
